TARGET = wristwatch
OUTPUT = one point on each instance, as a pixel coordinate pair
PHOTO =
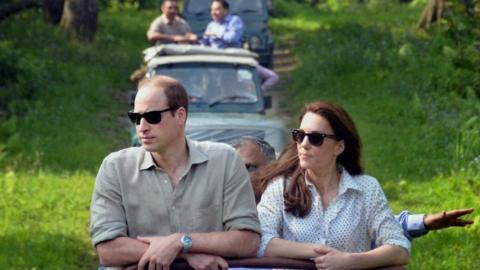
(186, 242)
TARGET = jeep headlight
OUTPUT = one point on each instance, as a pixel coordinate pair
(255, 42)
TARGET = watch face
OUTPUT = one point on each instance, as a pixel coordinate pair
(186, 241)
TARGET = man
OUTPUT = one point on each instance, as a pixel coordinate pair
(225, 30)
(169, 27)
(257, 153)
(172, 197)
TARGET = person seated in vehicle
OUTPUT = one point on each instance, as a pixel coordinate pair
(257, 153)
(169, 27)
(269, 77)
(235, 85)
(225, 30)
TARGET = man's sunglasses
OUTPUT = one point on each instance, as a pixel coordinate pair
(315, 138)
(152, 117)
(251, 167)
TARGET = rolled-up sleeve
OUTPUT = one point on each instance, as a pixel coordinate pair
(270, 213)
(239, 210)
(384, 228)
(107, 216)
(412, 224)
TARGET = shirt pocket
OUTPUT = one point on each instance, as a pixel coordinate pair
(202, 219)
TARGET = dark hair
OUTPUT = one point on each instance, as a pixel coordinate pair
(166, 1)
(224, 4)
(174, 91)
(265, 147)
(297, 197)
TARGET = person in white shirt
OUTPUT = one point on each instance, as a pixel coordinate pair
(319, 205)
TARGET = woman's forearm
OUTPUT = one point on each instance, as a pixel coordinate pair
(283, 248)
(386, 255)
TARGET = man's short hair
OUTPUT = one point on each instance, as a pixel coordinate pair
(267, 150)
(174, 91)
(224, 4)
(165, 1)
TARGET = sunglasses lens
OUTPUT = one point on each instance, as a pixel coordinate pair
(316, 139)
(251, 167)
(134, 117)
(298, 135)
(153, 117)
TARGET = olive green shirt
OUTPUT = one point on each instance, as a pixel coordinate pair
(134, 197)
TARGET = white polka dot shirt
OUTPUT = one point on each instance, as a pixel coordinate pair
(356, 218)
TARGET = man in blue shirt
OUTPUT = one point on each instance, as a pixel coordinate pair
(225, 30)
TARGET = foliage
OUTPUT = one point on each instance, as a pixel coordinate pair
(61, 97)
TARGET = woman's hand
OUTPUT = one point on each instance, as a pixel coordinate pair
(206, 262)
(331, 259)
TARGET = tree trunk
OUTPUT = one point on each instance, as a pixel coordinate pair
(433, 11)
(79, 19)
(7, 10)
(52, 11)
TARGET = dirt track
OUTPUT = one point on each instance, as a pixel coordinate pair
(284, 63)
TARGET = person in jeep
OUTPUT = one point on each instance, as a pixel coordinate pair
(225, 30)
(169, 27)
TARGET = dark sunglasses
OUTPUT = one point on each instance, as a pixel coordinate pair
(153, 117)
(251, 167)
(315, 138)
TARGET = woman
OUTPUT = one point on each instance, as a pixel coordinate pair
(319, 205)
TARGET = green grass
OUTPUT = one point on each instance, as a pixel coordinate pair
(44, 219)
(418, 121)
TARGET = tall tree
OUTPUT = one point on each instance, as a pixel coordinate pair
(79, 19)
(432, 12)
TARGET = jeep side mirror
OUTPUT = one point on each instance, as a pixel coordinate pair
(267, 100)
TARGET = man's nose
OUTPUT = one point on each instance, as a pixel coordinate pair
(143, 126)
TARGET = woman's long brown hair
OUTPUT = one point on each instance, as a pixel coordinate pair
(297, 198)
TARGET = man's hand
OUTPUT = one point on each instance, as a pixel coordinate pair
(161, 252)
(447, 219)
(331, 259)
(206, 262)
(191, 37)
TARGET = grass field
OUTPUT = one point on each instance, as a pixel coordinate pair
(420, 133)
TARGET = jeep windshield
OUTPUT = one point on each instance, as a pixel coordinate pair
(217, 87)
(202, 7)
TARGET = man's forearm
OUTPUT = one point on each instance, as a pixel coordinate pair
(155, 36)
(120, 251)
(227, 244)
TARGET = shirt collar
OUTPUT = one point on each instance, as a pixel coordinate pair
(226, 19)
(346, 182)
(196, 156)
(165, 19)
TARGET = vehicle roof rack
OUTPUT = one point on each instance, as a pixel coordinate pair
(181, 49)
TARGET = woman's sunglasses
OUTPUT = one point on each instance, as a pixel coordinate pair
(315, 138)
(153, 117)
